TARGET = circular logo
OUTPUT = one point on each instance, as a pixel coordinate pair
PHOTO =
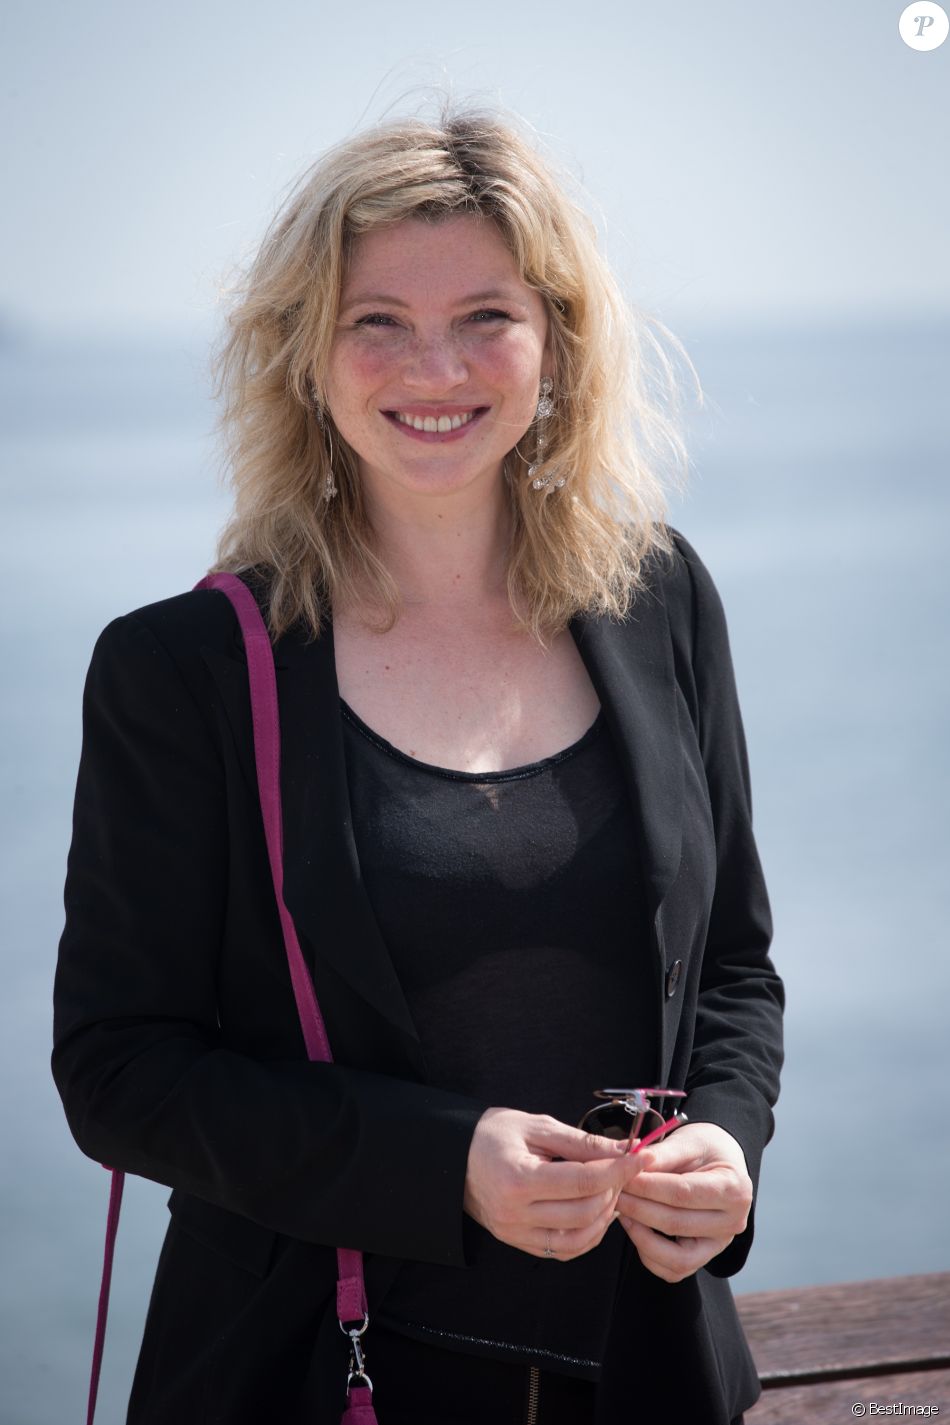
(924, 25)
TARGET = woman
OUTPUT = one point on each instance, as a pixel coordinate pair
(517, 845)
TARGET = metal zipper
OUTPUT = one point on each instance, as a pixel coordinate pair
(534, 1390)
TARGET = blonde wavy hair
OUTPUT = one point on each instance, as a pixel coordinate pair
(582, 547)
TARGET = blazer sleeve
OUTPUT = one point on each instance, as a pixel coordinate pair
(322, 1152)
(737, 1048)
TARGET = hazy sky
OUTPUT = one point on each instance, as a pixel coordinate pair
(774, 160)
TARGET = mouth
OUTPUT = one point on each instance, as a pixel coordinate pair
(444, 424)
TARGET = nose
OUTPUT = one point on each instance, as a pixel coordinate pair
(434, 364)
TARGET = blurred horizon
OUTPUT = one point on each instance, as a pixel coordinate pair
(17, 333)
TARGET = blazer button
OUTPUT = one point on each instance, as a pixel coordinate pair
(673, 978)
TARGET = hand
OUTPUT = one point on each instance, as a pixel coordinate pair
(693, 1187)
(515, 1190)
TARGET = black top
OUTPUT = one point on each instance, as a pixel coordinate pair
(512, 907)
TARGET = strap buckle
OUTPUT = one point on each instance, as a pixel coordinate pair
(356, 1369)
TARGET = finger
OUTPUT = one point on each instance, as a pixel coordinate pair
(570, 1213)
(559, 1140)
(674, 1222)
(696, 1145)
(672, 1261)
(559, 1181)
(679, 1152)
(563, 1246)
(719, 1187)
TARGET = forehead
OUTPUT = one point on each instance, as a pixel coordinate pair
(463, 254)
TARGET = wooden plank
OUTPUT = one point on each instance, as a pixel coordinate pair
(849, 1329)
(830, 1402)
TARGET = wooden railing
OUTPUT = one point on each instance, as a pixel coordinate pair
(844, 1352)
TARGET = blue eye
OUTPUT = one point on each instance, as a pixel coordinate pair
(375, 319)
(492, 315)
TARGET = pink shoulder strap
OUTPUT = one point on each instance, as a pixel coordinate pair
(351, 1291)
(265, 718)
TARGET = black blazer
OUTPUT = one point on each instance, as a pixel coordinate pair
(177, 1048)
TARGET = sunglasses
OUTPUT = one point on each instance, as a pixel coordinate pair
(634, 1114)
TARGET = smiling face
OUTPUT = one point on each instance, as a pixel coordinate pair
(438, 355)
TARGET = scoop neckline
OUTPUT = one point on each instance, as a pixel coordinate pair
(527, 769)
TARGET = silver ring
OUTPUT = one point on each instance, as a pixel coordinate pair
(548, 1249)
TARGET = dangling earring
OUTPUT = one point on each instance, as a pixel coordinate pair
(543, 414)
(329, 485)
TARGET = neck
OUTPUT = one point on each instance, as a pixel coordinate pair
(446, 552)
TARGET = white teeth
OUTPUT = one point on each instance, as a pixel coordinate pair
(431, 423)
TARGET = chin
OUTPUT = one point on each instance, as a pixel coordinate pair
(432, 479)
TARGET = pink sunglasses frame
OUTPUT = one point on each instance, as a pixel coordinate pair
(637, 1103)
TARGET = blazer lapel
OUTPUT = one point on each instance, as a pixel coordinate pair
(323, 888)
(323, 884)
(631, 666)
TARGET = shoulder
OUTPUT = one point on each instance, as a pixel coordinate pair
(702, 657)
(183, 627)
(680, 580)
(152, 662)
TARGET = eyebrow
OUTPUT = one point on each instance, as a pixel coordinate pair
(387, 300)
